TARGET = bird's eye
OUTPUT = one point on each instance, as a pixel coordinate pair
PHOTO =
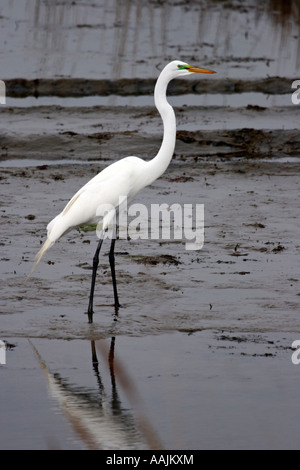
(183, 67)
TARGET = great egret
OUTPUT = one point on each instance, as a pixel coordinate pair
(122, 179)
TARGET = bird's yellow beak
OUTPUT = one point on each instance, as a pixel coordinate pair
(198, 70)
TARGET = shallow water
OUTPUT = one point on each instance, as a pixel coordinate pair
(203, 340)
(132, 39)
(171, 391)
(204, 336)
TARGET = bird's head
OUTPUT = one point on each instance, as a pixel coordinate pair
(177, 69)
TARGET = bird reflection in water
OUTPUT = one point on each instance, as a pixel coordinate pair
(100, 420)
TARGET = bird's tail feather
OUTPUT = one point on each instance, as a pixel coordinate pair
(39, 255)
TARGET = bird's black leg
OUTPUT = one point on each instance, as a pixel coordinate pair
(95, 267)
(113, 272)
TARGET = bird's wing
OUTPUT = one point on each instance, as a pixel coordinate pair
(113, 170)
(119, 168)
(94, 200)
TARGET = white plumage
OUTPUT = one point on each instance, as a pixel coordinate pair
(124, 178)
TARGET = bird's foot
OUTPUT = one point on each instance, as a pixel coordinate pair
(90, 315)
(117, 305)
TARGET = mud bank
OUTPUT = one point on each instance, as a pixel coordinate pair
(76, 87)
(102, 132)
(230, 144)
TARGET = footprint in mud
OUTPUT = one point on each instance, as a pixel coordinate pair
(154, 260)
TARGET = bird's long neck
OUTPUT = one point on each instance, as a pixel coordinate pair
(158, 165)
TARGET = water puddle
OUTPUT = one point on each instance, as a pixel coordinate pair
(200, 354)
(208, 390)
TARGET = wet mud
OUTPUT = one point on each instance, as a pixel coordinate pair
(244, 278)
(203, 338)
(95, 133)
(76, 87)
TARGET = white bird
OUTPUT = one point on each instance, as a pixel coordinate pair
(120, 180)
